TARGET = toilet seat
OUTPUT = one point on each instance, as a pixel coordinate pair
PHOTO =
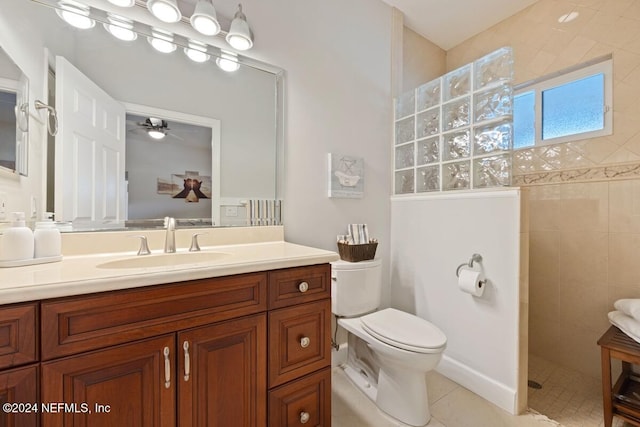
(404, 330)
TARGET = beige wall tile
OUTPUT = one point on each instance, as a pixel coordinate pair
(544, 258)
(584, 207)
(624, 206)
(618, 292)
(624, 264)
(578, 349)
(583, 305)
(544, 336)
(583, 256)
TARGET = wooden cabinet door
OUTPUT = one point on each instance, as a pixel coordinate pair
(222, 372)
(134, 383)
(19, 392)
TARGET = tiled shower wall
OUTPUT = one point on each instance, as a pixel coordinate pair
(584, 235)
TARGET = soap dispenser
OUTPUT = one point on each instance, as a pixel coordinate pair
(47, 239)
(17, 243)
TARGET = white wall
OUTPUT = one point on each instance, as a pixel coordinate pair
(337, 57)
(430, 236)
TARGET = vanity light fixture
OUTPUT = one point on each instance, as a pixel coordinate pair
(197, 52)
(120, 27)
(123, 3)
(162, 41)
(75, 14)
(204, 19)
(165, 10)
(228, 61)
(239, 35)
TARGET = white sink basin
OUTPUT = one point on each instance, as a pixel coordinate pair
(166, 260)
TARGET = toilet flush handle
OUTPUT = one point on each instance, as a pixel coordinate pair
(303, 287)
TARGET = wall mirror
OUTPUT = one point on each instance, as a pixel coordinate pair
(126, 88)
(14, 116)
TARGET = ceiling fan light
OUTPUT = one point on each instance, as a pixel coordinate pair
(75, 14)
(228, 61)
(165, 10)
(196, 51)
(156, 133)
(121, 28)
(239, 35)
(123, 3)
(204, 18)
(162, 41)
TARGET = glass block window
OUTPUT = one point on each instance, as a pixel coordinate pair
(566, 106)
(456, 132)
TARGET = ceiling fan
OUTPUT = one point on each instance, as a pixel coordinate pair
(155, 127)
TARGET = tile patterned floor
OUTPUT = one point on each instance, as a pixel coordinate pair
(569, 397)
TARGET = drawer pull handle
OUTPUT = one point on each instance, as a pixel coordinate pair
(187, 361)
(303, 287)
(304, 342)
(304, 417)
(167, 368)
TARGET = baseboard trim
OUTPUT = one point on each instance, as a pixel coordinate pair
(485, 387)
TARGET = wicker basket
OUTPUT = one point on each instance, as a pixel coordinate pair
(355, 253)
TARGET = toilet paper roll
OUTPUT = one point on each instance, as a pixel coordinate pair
(471, 282)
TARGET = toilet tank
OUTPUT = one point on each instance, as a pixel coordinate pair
(356, 287)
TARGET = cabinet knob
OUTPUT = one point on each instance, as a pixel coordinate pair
(303, 287)
(304, 342)
(304, 417)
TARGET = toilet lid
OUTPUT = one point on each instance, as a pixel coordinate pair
(404, 330)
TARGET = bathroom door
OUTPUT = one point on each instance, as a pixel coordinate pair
(90, 150)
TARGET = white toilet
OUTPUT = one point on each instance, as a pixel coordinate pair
(389, 351)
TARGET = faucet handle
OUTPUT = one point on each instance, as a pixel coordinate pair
(144, 245)
(195, 247)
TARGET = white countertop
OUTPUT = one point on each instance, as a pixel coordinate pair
(82, 274)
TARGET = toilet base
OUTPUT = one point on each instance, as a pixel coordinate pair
(405, 401)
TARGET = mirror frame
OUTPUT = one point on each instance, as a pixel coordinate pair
(21, 89)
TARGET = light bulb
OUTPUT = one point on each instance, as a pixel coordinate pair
(123, 3)
(121, 28)
(165, 10)
(162, 41)
(196, 52)
(228, 62)
(75, 14)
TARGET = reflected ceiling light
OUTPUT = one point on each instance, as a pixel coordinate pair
(239, 35)
(204, 18)
(196, 51)
(120, 27)
(75, 14)
(162, 41)
(123, 3)
(165, 10)
(228, 61)
(568, 17)
(156, 133)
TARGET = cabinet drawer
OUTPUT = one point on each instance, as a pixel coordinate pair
(305, 402)
(18, 327)
(77, 324)
(299, 341)
(299, 285)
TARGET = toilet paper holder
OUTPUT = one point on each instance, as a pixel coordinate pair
(474, 258)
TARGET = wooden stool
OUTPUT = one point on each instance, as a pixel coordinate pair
(623, 398)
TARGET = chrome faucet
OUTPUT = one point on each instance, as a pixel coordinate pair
(170, 238)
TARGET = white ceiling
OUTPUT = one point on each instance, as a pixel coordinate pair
(448, 23)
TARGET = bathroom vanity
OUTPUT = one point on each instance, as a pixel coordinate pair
(215, 349)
